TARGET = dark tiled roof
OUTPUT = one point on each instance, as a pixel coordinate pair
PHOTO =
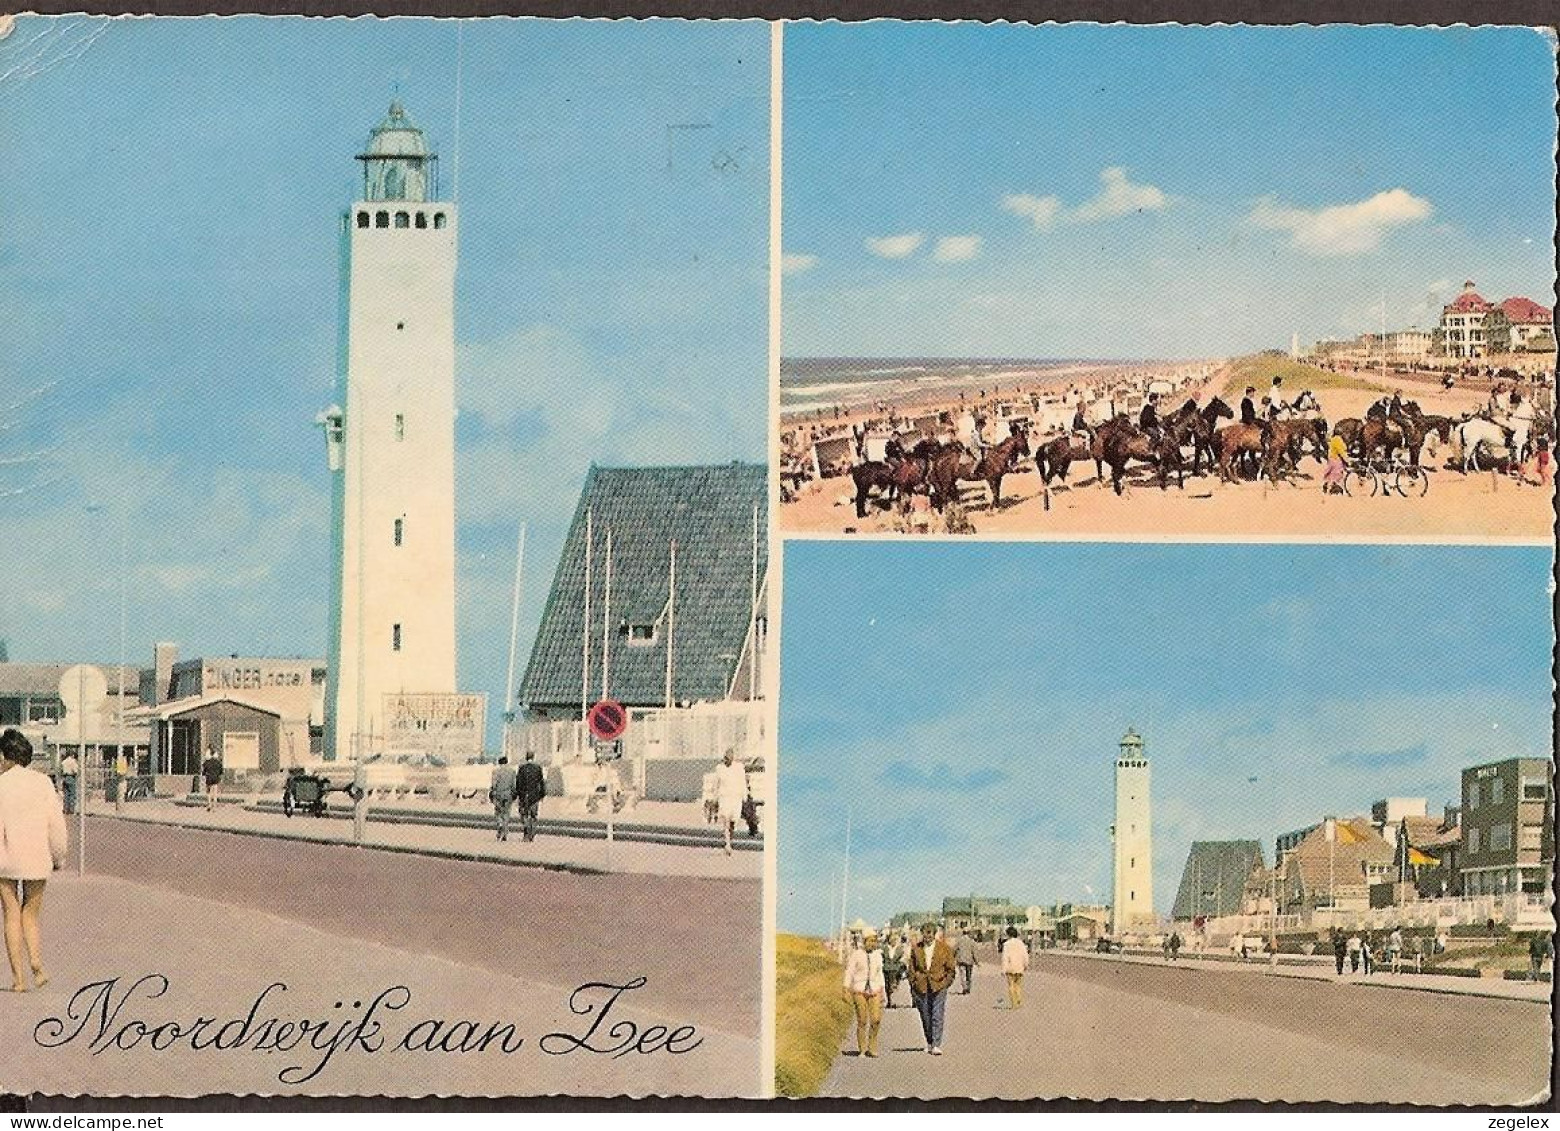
(44, 679)
(708, 512)
(1214, 879)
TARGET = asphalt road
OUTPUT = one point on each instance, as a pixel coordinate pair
(697, 942)
(1115, 1030)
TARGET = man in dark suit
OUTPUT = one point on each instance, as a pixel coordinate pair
(531, 787)
(932, 970)
(1248, 406)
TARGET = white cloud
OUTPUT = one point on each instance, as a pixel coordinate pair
(1119, 197)
(794, 263)
(895, 247)
(1041, 211)
(1341, 229)
(956, 249)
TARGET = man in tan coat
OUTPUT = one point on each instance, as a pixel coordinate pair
(932, 970)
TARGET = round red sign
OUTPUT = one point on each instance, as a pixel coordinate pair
(608, 720)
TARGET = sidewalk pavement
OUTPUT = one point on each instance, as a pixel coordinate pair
(1384, 979)
(559, 852)
(219, 958)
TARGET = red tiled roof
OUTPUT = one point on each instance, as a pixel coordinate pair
(1525, 310)
(1468, 302)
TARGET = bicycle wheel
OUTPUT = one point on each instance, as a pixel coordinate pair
(1360, 481)
(1411, 482)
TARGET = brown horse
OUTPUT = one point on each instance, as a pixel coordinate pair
(1195, 426)
(1237, 440)
(1286, 440)
(1380, 432)
(1129, 443)
(954, 463)
(1420, 426)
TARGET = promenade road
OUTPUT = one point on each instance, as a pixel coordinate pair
(1096, 1030)
(224, 916)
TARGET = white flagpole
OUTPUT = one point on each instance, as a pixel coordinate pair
(585, 634)
(511, 692)
(606, 616)
(671, 620)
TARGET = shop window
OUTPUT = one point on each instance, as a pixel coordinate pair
(402, 220)
(381, 219)
(362, 219)
(438, 219)
(422, 219)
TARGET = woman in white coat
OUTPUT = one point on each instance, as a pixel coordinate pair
(33, 843)
(731, 790)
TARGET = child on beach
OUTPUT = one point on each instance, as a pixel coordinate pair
(1332, 477)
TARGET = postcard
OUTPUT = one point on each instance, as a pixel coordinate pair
(384, 670)
(1112, 281)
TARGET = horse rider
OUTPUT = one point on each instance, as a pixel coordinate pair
(1248, 406)
(1148, 419)
(1381, 407)
(1521, 423)
(1395, 405)
(1080, 424)
(1276, 402)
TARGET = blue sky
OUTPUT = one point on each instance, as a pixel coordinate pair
(962, 189)
(962, 702)
(169, 275)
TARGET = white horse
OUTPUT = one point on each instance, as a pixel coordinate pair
(1478, 431)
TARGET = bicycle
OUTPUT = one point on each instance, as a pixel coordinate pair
(1368, 478)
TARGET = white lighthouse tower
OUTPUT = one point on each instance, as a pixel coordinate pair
(392, 446)
(1133, 871)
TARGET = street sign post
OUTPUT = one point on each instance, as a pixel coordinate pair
(608, 720)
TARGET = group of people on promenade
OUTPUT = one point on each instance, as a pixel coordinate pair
(527, 785)
(1371, 953)
(931, 966)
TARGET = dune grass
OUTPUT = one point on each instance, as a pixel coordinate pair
(811, 1016)
(1259, 371)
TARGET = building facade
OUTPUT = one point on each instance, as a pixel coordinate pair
(1132, 838)
(1507, 835)
(391, 445)
(1462, 324)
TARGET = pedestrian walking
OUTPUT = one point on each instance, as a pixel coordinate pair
(1395, 949)
(33, 843)
(1015, 960)
(866, 988)
(502, 794)
(122, 777)
(530, 788)
(1368, 954)
(70, 780)
(1355, 947)
(932, 970)
(893, 968)
(1175, 946)
(1541, 949)
(731, 790)
(211, 774)
(964, 955)
(1340, 949)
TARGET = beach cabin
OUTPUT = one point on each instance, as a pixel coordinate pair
(833, 455)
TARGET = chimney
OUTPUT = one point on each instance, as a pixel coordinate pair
(165, 655)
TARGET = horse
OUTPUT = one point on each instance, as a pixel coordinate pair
(954, 463)
(1194, 426)
(1230, 443)
(1420, 426)
(1285, 439)
(1053, 458)
(1478, 432)
(1129, 443)
(1382, 432)
(1306, 402)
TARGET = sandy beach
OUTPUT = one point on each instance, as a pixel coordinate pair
(1457, 506)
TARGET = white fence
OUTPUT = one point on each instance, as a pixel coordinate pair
(1523, 911)
(694, 734)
